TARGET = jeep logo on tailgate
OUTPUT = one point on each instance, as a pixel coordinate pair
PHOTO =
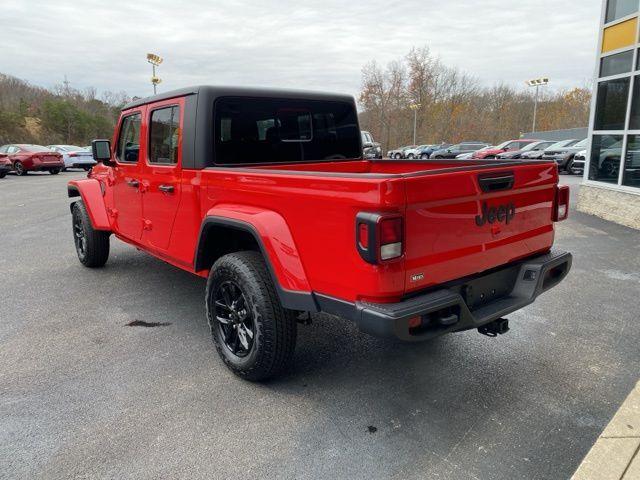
(501, 213)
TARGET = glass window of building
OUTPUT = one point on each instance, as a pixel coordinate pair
(631, 174)
(620, 8)
(615, 64)
(611, 104)
(634, 119)
(606, 151)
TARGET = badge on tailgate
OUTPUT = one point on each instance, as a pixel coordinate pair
(500, 213)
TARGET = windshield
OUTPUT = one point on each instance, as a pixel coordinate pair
(562, 143)
(34, 148)
(530, 146)
(581, 144)
(503, 145)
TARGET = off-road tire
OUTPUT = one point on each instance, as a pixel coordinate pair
(96, 242)
(275, 327)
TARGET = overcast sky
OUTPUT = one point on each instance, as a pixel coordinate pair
(320, 45)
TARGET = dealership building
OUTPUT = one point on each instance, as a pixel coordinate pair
(612, 175)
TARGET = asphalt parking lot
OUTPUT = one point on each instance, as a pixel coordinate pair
(83, 395)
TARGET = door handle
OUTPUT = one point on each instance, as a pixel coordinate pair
(133, 183)
(166, 188)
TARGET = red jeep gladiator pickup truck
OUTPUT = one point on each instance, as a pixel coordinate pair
(266, 194)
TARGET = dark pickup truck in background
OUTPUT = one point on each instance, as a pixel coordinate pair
(267, 195)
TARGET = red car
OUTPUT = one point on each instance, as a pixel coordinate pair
(267, 195)
(26, 158)
(503, 147)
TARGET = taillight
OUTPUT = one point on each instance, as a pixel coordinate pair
(390, 238)
(73, 154)
(379, 237)
(561, 203)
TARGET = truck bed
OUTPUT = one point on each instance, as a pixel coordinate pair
(439, 200)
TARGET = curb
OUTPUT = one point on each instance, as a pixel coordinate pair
(616, 453)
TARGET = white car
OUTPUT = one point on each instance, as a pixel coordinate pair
(412, 153)
(74, 156)
(577, 165)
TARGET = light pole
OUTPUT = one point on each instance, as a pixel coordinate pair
(154, 60)
(415, 107)
(538, 82)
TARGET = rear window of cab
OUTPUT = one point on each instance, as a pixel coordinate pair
(273, 130)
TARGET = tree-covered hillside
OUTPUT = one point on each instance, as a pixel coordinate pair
(30, 114)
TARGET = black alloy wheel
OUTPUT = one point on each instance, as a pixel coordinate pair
(234, 319)
(79, 237)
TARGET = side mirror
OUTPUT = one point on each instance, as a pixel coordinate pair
(101, 150)
(367, 144)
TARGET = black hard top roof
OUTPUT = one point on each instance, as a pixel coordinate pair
(221, 91)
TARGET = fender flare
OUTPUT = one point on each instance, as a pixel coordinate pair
(91, 193)
(274, 239)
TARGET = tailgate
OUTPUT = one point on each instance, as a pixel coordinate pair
(466, 221)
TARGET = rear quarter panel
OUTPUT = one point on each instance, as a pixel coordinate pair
(319, 212)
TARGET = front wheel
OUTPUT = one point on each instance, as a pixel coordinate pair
(424, 156)
(92, 246)
(3, 174)
(253, 334)
(54, 171)
(397, 156)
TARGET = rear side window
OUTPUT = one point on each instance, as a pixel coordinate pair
(270, 130)
(129, 139)
(164, 135)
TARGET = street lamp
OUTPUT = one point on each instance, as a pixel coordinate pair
(154, 60)
(538, 82)
(415, 107)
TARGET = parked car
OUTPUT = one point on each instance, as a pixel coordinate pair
(563, 156)
(454, 150)
(26, 158)
(537, 154)
(218, 208)
(531, 147)
(428, 150)
(469, 155)
(579, 160)
(413, 153)
(74, 156)
(399, 152)
(370, 148)
(5, 166)
(503, 147)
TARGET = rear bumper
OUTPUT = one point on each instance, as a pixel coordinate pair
(79, 162)
(40, 166)
(461, 305)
